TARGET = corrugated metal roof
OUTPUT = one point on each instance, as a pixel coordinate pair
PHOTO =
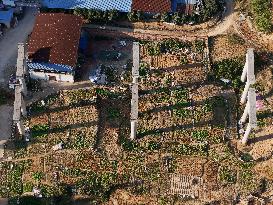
(50, 67)
(120, 5)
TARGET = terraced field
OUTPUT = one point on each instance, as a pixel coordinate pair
(80, 143)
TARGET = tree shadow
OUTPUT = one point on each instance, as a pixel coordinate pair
(260, 139)
(112, 113)
(170, 129)
(60, 108)
(41, 55)
(71, 126)
(177, 68)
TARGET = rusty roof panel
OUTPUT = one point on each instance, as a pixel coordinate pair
(153, 6)
(55, 39)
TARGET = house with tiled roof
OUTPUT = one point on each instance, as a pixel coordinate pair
(53, 47)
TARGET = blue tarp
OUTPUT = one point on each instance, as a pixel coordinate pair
(6, 16)
(50, 67)
(120, 5)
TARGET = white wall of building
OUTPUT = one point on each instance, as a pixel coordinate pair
(46, 76)
(66, 78)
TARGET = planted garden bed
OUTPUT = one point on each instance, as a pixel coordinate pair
(182, 130)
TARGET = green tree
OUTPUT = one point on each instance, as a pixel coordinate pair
(165, 17)
(140, 16)
(211, 8)
(113, 15)
(38, 176)
(176, 18)
(132, 16)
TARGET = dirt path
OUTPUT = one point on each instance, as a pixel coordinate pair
(8, 44)
(141, 33)
(228, 20)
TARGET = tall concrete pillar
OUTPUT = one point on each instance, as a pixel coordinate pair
(248, 73)
(245, 114)
(20, 127)
(134, 100)
(250, 111)
(135, 80)
(244, 95)
(21, 60)
(23, 107)
(23, 86)
(133, 129)
(136, 60)
(252, 107)
(243, 76)
(247, 133)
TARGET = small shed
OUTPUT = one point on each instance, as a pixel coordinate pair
(6, 17)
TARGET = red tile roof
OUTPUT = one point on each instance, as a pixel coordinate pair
(55, 39)
(153, 6)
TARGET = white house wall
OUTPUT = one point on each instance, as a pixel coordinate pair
(66, 78)
(45, 76)
(38, 75)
